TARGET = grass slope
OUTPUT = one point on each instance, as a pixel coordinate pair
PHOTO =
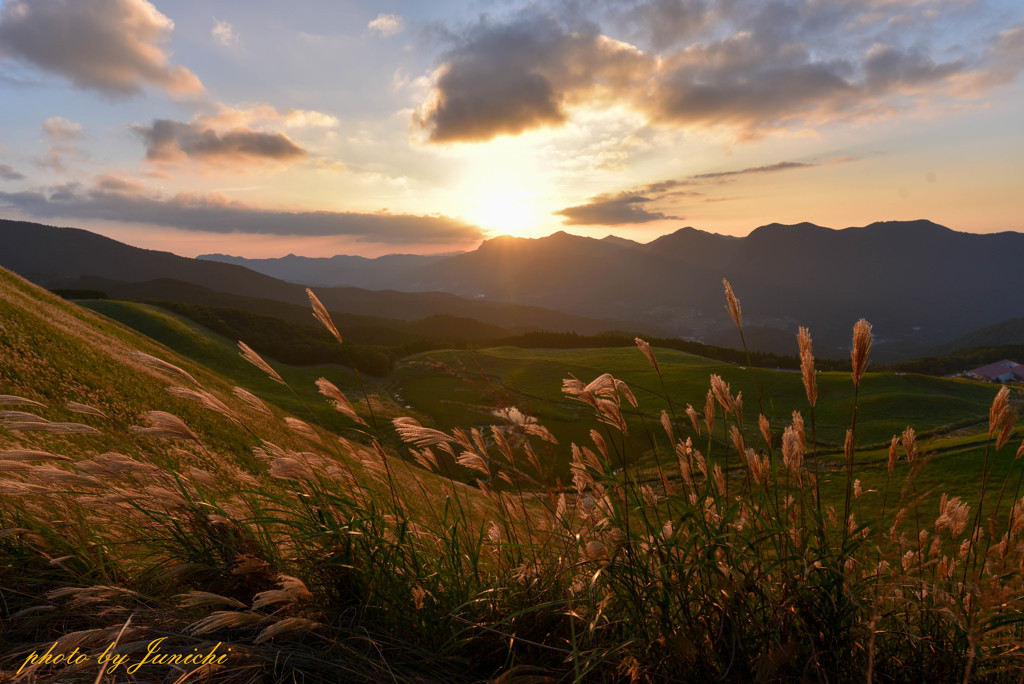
(321, 559)
(56, 352)
(220, 354)
(948, 415)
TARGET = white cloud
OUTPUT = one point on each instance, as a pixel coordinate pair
(224, 33)
(59, 128)
(386, 24)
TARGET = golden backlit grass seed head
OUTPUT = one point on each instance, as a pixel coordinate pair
(160, 364)
(286, 626)
(255, 359)
(253, 401)
(47, 426)
(801, 432)
(793, 451)
(291, 590)
(722, 394)
(909, 440)
(953, 515)
(646, 349)
(340, 401)
(165, 425)
(732, 305)
(807, 365)
(1017, 517)
(224, 619)
(893, 453)
(666, 424)
(1007, 423)
(692, 413)
(205, 399)
(30, 455)
(1000, 404)
(861, 346)
(709, 411)
(473, 461)
(115, 464)
(719, 479)
(412, 432)
(206, 599)
(758, 465)
(85, 409)
(320, 313)
(538, 430)
(737, 439)
(13, 400)
(302, 428)
(10, 416)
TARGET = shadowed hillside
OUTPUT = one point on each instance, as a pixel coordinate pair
(77, 259)
(920, 283)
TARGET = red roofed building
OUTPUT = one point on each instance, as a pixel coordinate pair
(1000, 371)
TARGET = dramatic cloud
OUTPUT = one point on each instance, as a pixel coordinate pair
(759, 68)
(603, 210)
(661, 23)
(229, 136)
(112, 46)
(386, 25)
(224, 33)
(173, 141)
(511, 78)
(7, 173)
(117, 199)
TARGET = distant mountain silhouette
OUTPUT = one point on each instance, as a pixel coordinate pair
(916, 281)
(74, 258)
(922, 285)
(1009, 332)
(337, 271)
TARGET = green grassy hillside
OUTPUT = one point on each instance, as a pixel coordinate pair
(220, 354)
(531, 380)
(55, 352)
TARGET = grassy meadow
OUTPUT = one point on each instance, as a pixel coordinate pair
(658, 517)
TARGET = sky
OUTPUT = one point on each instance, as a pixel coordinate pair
(260, 128)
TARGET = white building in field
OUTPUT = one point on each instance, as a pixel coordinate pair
(1001, 371)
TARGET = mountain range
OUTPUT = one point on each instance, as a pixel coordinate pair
(71, 258)
(922, 285)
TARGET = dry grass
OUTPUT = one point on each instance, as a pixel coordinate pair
(342, 560)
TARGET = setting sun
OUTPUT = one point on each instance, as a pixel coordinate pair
(505, 210)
